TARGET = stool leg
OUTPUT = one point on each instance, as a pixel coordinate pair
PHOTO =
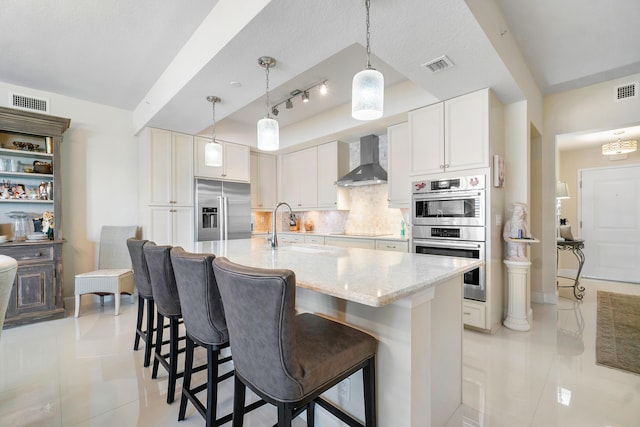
(369, 379)
(158, 347)
(151, 310)
(186, 380)
(116, 296)
(238, 402)
(136, 342)
(212, 385)
(173, 357)
(311, 414)
(285, 414)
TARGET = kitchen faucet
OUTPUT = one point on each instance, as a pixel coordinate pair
(292, 221)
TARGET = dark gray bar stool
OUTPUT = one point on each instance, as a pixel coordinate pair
(288, 359)
(204, 320)
(145, 294)
(165, 295)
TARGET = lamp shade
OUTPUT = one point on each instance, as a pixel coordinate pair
(367, 95)
(562, 190)
(268, 134)
(213, 154)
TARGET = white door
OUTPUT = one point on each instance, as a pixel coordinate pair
(610, 216)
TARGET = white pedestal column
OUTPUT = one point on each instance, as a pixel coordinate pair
(517, 295)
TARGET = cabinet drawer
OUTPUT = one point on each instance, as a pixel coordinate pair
(318, 240)
(473, 314)
(392, 245)
(290, 238)
(346, 242)
(29, 253)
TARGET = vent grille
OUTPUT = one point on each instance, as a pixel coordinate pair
(29, 103)
(626, 91)
(438, 64)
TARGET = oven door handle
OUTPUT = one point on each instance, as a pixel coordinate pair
(447, 196)
(446, 244)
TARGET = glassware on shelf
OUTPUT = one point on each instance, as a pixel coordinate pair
(22, 227)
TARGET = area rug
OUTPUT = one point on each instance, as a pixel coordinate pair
(618, 331)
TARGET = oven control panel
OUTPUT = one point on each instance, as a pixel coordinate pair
(465, 183)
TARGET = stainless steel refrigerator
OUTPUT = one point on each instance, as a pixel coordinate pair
(223, 210)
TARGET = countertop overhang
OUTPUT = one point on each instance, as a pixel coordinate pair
(371, 277)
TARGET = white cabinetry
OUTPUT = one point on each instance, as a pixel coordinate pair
(235, 161)
(392, 245)
(166, 187)
(300, 178)
(399, 181)
(350, 242)
(333, 163)
(170, 168)
(172, 225)
(451, 135)
(263, 181)
(308, 177)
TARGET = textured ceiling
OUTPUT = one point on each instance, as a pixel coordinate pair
(116, 52)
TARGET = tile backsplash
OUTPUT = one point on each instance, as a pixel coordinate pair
(369, 214)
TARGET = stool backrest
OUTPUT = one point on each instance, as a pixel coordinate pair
(139, 264)
(202, 310)
(163, 281)
(260, 307)
(112, 252)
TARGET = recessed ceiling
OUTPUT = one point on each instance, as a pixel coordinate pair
(577, 141)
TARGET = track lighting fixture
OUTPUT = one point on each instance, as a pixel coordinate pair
(304, 94)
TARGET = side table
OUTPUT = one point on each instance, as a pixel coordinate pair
(575, 246)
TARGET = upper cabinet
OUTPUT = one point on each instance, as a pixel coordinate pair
(333, 163)
(170, 167)
(263, 180)
(452, 135)
(308, 177)
(399, 181)
(300, 178)
(235, 161)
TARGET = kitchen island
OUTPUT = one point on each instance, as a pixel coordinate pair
(411, 303)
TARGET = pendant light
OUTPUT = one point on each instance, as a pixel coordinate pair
(213, 149)
(367, 91)
(268, 130)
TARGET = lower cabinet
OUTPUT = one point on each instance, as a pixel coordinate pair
(392, 245)
(473, 314)
(350, 242)
(37, 290)
(172, 225)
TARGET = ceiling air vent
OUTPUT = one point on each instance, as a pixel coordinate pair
(438, 64)
(626, 91)
(29, 103)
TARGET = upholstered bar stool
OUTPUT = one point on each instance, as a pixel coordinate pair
(288, 359)
(145, 294)
(204, 320)
(167, 301)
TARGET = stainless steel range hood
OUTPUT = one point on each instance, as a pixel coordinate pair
(369, 172)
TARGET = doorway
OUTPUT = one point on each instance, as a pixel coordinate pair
(609, 216)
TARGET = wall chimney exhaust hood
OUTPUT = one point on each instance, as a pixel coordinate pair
(369, 172)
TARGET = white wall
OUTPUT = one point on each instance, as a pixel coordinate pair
(591, 108)
(99, 178)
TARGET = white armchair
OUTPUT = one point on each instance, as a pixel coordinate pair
(8, 268)
(114, 274)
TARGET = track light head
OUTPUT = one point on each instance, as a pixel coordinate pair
(275, 111)
(305, 96)
(323, 88)
(289, 104)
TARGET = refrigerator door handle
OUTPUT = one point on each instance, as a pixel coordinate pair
(226, 217)
(223, 220)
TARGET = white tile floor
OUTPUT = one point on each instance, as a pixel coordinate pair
(83, 372)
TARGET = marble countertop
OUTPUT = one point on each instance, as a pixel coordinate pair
(341, 235)
(366, 276)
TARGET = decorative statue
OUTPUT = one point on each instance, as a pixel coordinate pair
(516, 228)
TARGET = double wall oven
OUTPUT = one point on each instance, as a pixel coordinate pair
(448, 218)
